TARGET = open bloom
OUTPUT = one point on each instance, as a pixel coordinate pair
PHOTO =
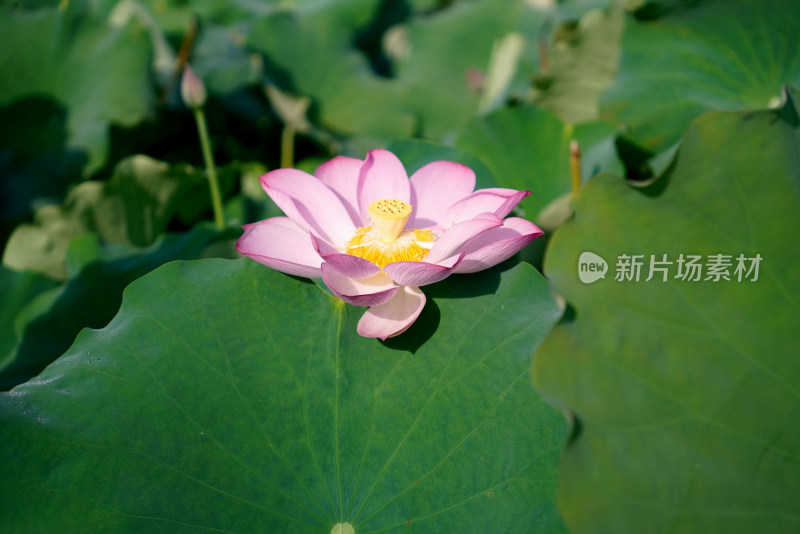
(375, 236)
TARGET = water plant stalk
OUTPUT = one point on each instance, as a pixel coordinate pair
(208, 158)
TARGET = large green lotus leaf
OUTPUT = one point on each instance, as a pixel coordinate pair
(446, 48)
(310, 52)
(528, 148)
(710, 55)
(228, 397)
(98, 73)
(38, 329)
(133, 207)
(686, 392)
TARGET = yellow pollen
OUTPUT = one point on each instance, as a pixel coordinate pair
(411, 245)
(389, 218)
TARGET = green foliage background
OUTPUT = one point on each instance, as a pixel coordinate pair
(222, 396)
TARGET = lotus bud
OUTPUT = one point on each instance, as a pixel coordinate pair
(193, 91)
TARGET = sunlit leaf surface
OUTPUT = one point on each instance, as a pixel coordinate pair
(226, 396)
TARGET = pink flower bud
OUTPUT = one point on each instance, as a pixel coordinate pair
(193, 91)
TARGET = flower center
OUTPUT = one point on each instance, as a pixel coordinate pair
(387, 241)
(389, 217)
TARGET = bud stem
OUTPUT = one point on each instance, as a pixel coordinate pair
(287, 146)
(208, 157)
(575, 166)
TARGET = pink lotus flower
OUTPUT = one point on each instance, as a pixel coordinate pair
(375, 236)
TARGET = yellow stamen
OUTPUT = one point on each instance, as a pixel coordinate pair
(411, 245)
(386, 241)
(389, 217)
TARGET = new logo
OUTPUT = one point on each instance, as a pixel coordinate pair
(591, 267)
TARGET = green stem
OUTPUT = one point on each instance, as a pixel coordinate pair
(287, 146)
(575, 166)
(208, 157)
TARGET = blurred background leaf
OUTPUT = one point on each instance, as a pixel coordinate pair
(134, 207)
(99, 74)
(583, 62)
(415, 154)
(310, 52)
(443, 59)
(35, 164)
(528, 148)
